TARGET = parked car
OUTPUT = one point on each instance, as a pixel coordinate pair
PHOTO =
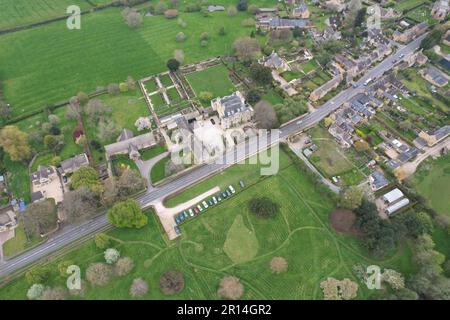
(231, 189)
(205, 205)
(64, 179)
(242, 184)
(224, 195)
(214, 200)
(228, 192)
(210, 202)
(177, 220)
(199, 207)
(185, 214)
(177, 230)
(191, 213)
(196, 210)
(219, 198)
(181, 217)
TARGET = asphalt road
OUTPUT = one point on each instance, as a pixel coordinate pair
(70, 234)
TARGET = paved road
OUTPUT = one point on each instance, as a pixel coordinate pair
(69, 234)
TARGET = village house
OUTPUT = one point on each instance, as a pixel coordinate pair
(232, 110)
(335, 5)
(276, 23)
(73, 164)
(377, 181)
(431, 137)
(320, 92)
(127, 143)
(410, 34)
(301, 11)
(8, 219)
(46, 183)
(274, 61)
(434, 76)
(440, 10)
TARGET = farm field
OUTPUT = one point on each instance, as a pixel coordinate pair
(300, 233)
(14, 13)
(214, 80)
(35, 69)
(431, 180)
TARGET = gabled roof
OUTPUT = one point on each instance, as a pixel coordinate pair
(125, 135)
(74, 163)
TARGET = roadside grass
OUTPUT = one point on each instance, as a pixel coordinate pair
(19, 243)
(433, 175)
(241, 244)
(158, 171)
(16, 13)
(103, 51)
(214, 80)
(300, 233)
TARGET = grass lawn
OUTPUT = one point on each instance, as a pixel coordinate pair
(273, 97)
(121, 162)
(421, 14)
(158, 171)
(291, 75)
(105, 50)
(165, 80)
(407, 4)
(432, 180)
(308, 66)
(214, 80)
(127, 107)
(300, 233)
(15, 13)
(18, 179)
(152, 152)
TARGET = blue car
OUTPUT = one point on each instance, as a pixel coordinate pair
(181, 217)
(210, 202)
(177, 230)
(177, 220)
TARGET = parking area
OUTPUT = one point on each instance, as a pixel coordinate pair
(172, 218)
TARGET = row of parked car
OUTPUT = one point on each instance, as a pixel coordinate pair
(205, 204)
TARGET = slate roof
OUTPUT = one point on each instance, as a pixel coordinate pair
(42, 173)
(74, 163)
(125, 135)
(232, 104)
(378, 180)
(36, 196)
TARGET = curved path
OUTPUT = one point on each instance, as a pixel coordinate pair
(146, 166)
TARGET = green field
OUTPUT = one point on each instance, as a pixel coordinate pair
(432, 180)
(300, 233)
(16, 13)
(214, 80)
(38, 72)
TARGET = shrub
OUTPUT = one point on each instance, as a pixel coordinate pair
(278, 265)
(263, 207)
(242, 5)
(113, 89)
(123, 266)
(99, 274)
(180, 37)
(173, 64)
(139, 287)
(111, 255)
(62, 267)
(182, 23)
(171, 282)
(205, 96)
(253, 9)
(171, 13)
(35, 291)
(123, 87)
(37, 275)
(230, 288)
(231, 11)
(204, 43)
(204, 36)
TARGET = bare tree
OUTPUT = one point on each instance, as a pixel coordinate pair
(265, 115)
(99, 274)
(246, 48)
(130, 182)
(79, 205)
(231, 288)
(139, 287)
(40, 217)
